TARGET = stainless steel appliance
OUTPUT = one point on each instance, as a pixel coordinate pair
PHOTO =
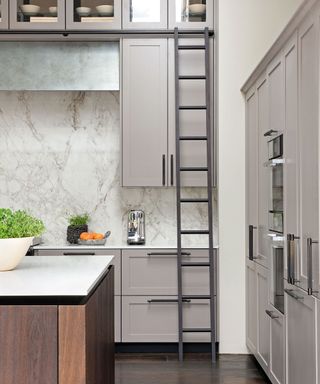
(136, 228)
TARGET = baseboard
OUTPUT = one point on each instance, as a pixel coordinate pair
(163, 347)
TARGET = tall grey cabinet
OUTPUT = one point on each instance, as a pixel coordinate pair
(4, 14)
(144, 113)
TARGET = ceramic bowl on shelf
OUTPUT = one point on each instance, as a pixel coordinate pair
(30, 9)
(53, 11)
(197, 9)
(83, 11)
(105, 10)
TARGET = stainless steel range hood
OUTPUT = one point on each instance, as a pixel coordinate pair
(59, 66)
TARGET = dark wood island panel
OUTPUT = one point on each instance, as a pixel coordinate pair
(59, 344)
(86, 338)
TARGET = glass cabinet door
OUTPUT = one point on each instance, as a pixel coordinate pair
(145, 14)
(191, 14)
(4, 24)
(93, 14)
(37, 14)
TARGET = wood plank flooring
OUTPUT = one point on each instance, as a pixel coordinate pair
(196, 369)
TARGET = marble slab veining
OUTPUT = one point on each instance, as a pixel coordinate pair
(60, 154)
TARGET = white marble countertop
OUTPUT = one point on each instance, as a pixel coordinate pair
(54, 276)
(119, 246)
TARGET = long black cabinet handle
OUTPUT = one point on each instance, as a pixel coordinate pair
(171, 170)
(251, 228)
(168, 254)
(163, 170)
(293, 295)
(310, 243)
(78, 254)
(155, 301)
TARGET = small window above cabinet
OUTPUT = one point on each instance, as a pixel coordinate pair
(37, 14)
(93, 14)
(4, 23)
(145, 14)
(191, 14)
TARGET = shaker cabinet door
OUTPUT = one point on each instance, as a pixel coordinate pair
(277, 347)
(252, 319)
(4, 14)
(144, 113)
(301, 336)
(309, 146)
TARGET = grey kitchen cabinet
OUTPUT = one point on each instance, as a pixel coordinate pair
(145, 14)
(50, 15)
(252, 173)
(4, 14)
(263, 248)
(90, 252)
(155, 319)
(192, 123)
(251, 306)
(154, 272)
(277, 346)
(301, 336)
(276, 96)
(308, 37)
(94, 15)
(144, 113)
(263, 342)
(291, 151)
(191, 15)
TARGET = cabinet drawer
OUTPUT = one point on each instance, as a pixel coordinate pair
(154, 272)
(144, 321)
(91, 252)
(117, 319)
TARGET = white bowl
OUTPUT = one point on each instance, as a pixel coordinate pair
(12, 251)
(105, 10)
(197, 9)
(83, 11)
(30, 9)
(53, 11)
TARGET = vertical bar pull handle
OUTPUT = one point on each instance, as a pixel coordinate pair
(171, 170)
(251, 228)
(310, 243)
(164, 170)
(289, 266)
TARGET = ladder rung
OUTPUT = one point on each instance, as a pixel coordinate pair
(191, 47)
(194, 232)
(196, 297)
(192, 107)
(194, 169)
(195, 264)
(193, 138)
(196, 330)
(194, 201)
(191, 77)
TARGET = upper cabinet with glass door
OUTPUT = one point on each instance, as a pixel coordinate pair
(145, 14)
(190, 14)
(37, 14)
(93, 14)
(4, 23)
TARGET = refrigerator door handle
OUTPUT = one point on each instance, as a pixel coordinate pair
(310, 243)
(251, 228)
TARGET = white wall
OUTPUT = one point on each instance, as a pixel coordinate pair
(246, 30)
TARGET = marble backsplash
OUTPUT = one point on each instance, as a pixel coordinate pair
(60, 155)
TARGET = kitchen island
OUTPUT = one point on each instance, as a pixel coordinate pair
(57, 321)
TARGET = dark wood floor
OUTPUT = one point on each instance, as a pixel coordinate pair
(196, 369)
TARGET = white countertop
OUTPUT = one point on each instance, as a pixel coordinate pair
(125, 246)
(54, 276)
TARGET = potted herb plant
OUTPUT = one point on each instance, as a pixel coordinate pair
(17, 230)
(77, 225)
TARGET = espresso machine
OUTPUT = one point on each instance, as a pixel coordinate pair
(136, 228)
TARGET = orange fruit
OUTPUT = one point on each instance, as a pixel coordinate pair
(98, 236)
(86, 236)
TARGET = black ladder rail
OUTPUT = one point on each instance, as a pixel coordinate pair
(208, 200)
